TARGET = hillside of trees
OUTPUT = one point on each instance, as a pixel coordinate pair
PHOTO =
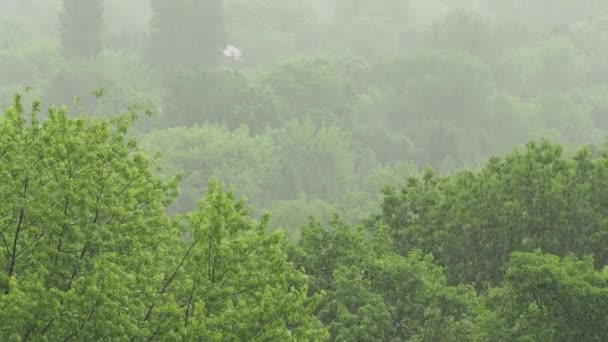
(280, 170)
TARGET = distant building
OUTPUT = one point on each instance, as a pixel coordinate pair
(233, 53)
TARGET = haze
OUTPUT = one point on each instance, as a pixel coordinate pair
(468, 130)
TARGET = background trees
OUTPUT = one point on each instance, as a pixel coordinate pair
(446, 84)
(81, 27)
(187, 33)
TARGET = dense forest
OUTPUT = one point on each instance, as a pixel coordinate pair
(304, 170)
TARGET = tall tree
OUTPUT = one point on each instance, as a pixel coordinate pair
(187, 32)
(81, 25)
(82, 216)
(87, 252)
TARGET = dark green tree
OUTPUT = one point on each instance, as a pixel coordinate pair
(81, 25)
(545, 298)
(533, 198)
(373, 294)
(219, 96)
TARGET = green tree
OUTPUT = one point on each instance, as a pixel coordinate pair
(127, 83)
(545, 298)
(219, 96)
(314, 159)
(555, 64)
(81, 27)
(243, 161)
(291, 215)
(88, 252)
(314, 86)
(369, 29)
(236, 283)
(431, 106)
(375, 294)
(472, 221)
(82, 227)
(469, 31)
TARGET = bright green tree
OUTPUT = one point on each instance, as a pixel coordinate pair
(235, 282)
(82, 228)
(87, 251)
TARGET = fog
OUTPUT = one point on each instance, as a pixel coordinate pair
(304, 170)
(310, 107)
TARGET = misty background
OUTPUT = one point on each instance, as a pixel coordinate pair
(331, 99)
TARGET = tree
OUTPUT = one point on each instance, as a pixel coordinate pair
(88, 253)
(375, 294)
(472, 221)
(466, 30)
(431, 106)
(316, 86)
(235, 282)
(187, 33)
(316, 160)
(81, 26)
(82, 223)
(243, 161)
(219, 96)
(545, 298)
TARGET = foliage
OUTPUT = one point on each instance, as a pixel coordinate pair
(472, 221)
(375, 294)
(311, 86)
(83, 222)
(229, 293)
(290, 215)
(219, 96)
(126, 80)
(248, 163)
(316, 160)
(544, 298)
(270, 29)
(89, 253)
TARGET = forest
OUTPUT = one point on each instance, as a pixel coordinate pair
(304, 170)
